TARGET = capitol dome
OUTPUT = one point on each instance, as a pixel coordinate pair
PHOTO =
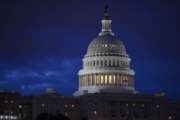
(106, 65)
(106, 44)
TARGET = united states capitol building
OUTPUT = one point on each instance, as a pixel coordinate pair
(106, 90)
(106, 65)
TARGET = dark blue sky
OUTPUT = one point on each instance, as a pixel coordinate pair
(42, 42)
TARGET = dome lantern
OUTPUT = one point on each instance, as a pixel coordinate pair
(106, 23)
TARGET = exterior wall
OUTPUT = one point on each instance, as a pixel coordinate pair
(105, 72)
(103, 79)
(101, 106)
(128, 107)
(106, 61)
(56, 105)
(15, 107)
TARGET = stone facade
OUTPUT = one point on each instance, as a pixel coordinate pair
(97, 106)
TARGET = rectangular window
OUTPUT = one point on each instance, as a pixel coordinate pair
(102, 80)
(97, 79)
(105, 79)
(110, 79)
(114, 79)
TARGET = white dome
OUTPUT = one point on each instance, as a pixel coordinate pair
(108, 45)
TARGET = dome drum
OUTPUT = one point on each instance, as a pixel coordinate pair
(126, 72)
(107, 62)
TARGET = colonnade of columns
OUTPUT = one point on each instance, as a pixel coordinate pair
(106, 63)
(105, 79)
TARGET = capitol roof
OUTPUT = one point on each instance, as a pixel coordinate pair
(106, 44)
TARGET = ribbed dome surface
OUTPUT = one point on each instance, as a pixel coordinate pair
(106, 44)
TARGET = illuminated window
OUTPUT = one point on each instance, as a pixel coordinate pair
(114, 79)
(8, 117)
(127, 105)
(94, 79)
(66, 105)
(134, 104)
(105, 79)
(66, 113)
(72, 105)
(97, 79)
(84, 80)
(169, 117)
(87, 80)
(110, 79)
(90, 80)
(142, 105)
(19, 106)
(95, 112)
(12, 101)
(157, 106)
(5, 101)
(102, 80)
(42, 105)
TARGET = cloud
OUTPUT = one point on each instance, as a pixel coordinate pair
(41, 74)
(22, 74)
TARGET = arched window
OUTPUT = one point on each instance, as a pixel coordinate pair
(114, 63)
(120, 63)
(105, 63)
(101, 63)
(109, 64)
(94, 63)
(117, 63)
(97, 63)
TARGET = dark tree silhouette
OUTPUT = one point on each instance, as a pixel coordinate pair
(44, 116)
(47, 116)
(62, 117)
(84, 118)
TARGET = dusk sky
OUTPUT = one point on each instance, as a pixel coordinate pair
(42, 42)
